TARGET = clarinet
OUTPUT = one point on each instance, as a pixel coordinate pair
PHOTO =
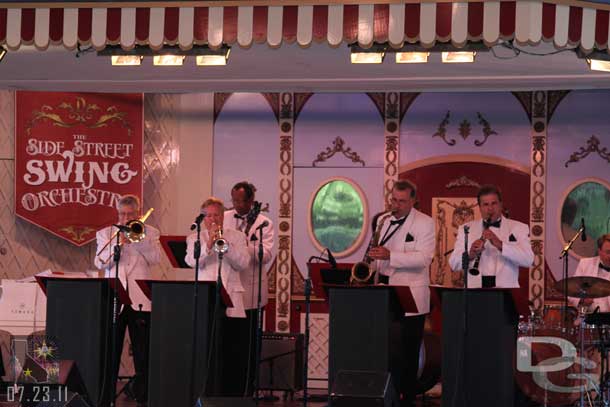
(474, 271)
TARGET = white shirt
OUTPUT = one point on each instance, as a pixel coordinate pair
(234, 260)
(136, 262)
(249, 274)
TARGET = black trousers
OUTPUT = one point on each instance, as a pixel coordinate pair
(411, 333)
(239, 351)
(138, 323)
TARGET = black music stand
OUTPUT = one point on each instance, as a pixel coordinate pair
(170, 340)
(78, 316)
(364, 324)
(491, 341)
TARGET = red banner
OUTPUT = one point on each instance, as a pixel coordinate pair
(76, 154)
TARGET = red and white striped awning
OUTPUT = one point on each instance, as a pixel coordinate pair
(565, 22)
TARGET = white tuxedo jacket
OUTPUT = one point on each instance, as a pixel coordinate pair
(249, 274)
(135, 263)
(589, 267)
(411, 252)
(516, 252)
(234, 260)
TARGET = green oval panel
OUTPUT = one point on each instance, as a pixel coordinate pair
(591, 201)
(337, 215)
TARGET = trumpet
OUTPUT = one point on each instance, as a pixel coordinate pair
(135, 232)
(220, 245)
(363, 271)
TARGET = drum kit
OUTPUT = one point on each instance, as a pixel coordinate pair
(564, 350)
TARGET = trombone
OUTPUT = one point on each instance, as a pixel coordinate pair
(136, 232)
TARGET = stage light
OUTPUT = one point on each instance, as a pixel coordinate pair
(217, 57)
(458, 57)
(599, 65)
(597, 60)
(168, 60)
(126, 60)
(2, 53)
(372, 55)
(166, 56)
(412, 57)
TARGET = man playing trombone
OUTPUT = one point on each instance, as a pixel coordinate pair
(136, 260)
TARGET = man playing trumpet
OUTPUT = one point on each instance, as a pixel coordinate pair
(235, 259)
(135, 263)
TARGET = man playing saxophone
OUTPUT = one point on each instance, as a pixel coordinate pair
(403, 256)
(136, 261)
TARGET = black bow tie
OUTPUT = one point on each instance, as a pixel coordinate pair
(398, 221)
(607, 268)
(495, 224)
(236, 216)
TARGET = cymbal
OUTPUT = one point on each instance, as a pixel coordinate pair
(585, 287)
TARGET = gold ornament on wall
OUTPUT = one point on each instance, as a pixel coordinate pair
(338, 147)
(69, 115)
(593, 146)
(464, 130)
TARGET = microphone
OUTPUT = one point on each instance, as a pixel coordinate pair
(262, 225)
(123, 228)
(583, 235)
(198, 220)
(331, 259)
(315, 258)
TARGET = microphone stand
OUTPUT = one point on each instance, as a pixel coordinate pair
(116, 258)
(306, 345)
(259, 318)
(215, 319)
(465, 267)
(564, 256)
(196, 255)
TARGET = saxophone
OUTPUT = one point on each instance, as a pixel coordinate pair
(363, 271)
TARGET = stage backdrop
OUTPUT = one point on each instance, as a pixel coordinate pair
(76, 154)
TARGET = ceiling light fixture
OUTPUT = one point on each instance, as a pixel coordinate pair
(171, 55)
(458, 57)
(126, 60)
(168, 60)
(412, 57)
(597, 60)
(373, 55)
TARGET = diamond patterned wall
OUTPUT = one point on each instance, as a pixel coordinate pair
(317, 369)
(7, 114)
(161, 155)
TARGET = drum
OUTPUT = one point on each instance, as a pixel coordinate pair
(593, 335)
(546, 348)
(552, 316)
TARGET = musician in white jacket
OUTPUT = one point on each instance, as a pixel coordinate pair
(598, 266)
(246, 218)
(135, 263)
(404, 254)
(234, 260)
(502, 245)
